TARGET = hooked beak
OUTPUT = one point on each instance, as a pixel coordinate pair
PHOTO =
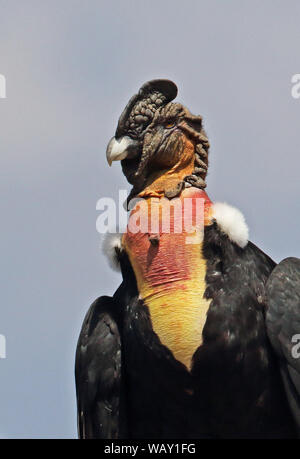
(124, 147)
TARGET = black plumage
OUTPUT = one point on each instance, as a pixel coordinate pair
(234, 389)
(245, 392)
(283, 325)
(98, 372)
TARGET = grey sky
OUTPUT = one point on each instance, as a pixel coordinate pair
(70, 68)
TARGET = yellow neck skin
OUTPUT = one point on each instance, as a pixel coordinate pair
(178, 311)
(171, 281)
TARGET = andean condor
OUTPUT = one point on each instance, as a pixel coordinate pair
(199, 339)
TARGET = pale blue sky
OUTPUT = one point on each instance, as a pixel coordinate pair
(71, 66)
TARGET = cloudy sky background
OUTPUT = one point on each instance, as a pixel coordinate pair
(70, 68)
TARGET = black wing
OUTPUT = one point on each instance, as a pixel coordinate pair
(283, 326)
(98, 372)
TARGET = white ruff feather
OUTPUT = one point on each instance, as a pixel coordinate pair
(231, 222)
(111, 246)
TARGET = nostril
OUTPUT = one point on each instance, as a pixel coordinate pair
(154, 239)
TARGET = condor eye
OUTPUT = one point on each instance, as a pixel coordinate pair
(170, 125)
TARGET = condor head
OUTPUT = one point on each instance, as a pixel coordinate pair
(156, 137)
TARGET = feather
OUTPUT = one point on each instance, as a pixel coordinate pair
(231, 222)
(112, 248)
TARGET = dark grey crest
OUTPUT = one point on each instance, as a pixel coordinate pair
(141, 108)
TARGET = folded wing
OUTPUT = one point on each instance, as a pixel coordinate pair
(283, 326)
(98, 372)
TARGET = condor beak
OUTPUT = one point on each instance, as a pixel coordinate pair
(118, 149)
